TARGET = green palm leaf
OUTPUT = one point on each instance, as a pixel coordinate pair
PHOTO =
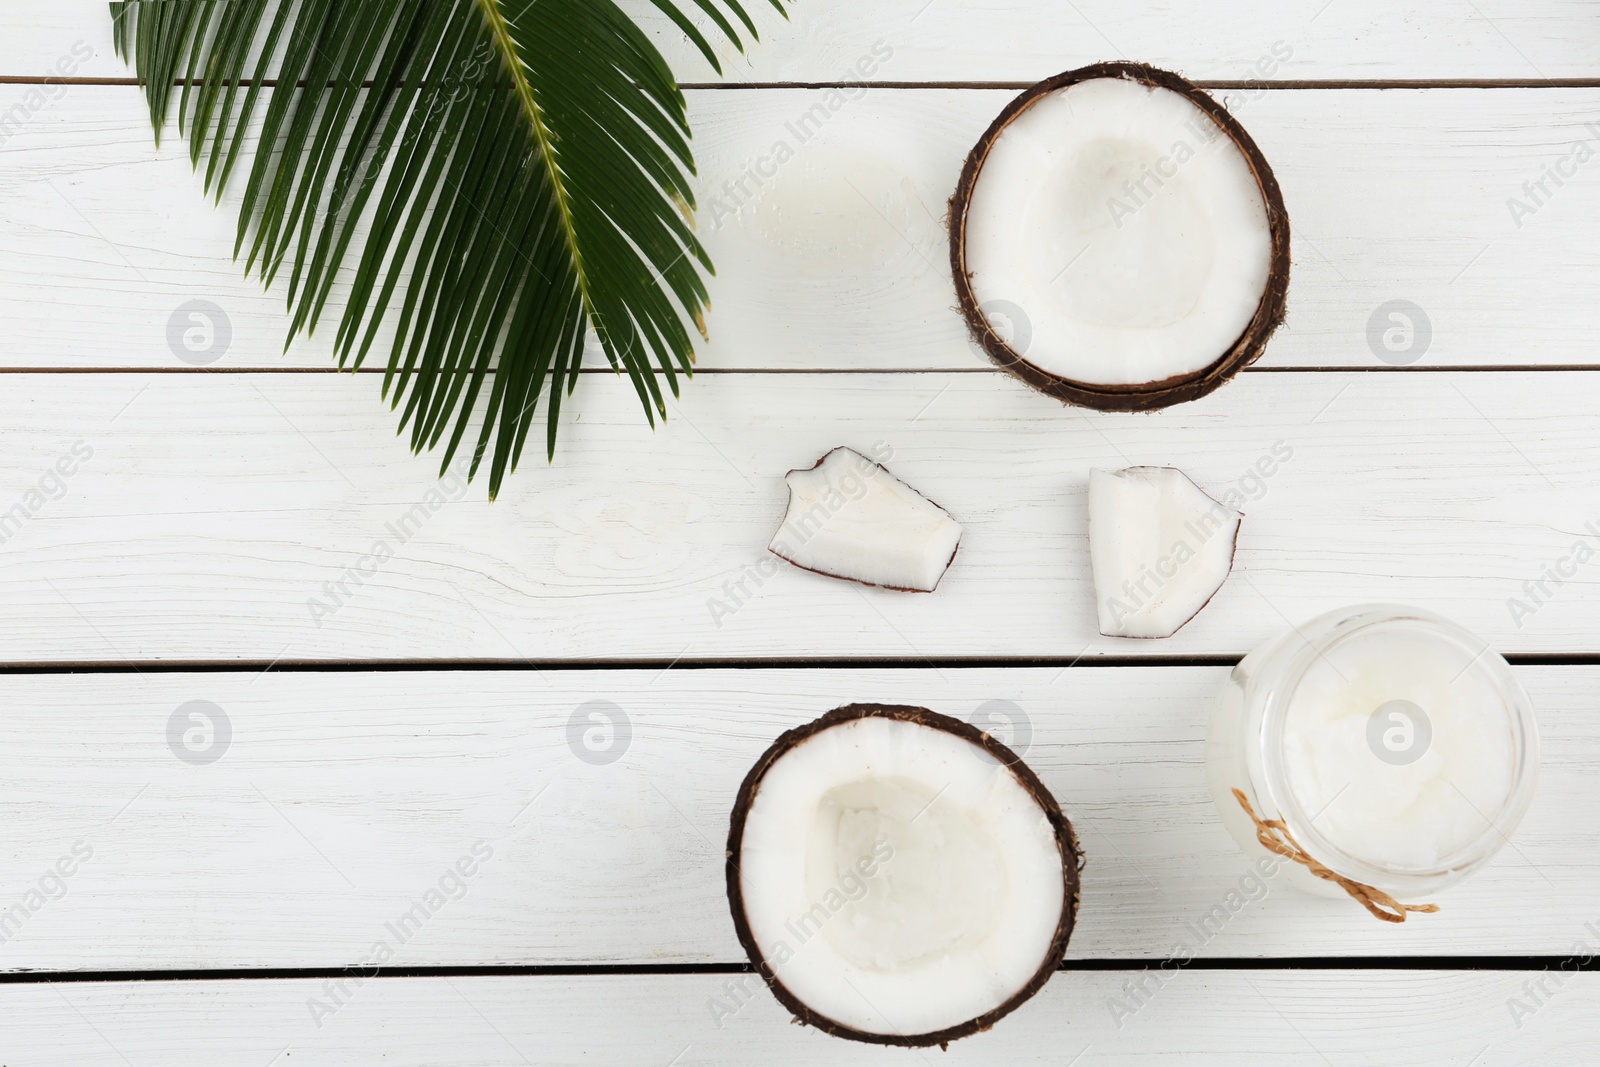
(494, 178)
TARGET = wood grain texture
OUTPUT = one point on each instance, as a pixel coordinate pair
(825, 216)
(342, 799)
(276, 518)
(1025, 40)
(1256, 1019)
(260, 517)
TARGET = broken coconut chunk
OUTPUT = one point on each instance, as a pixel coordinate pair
(1129, 233)
(897, 876)
(1160, 548)
(850, 518)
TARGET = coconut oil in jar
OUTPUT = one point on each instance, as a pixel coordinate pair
(1383, 746)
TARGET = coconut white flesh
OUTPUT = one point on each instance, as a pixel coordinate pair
(898, 879)
(1160, 548)
(850, 518)
(1128, 228)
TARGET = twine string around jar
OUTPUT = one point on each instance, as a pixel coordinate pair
(1275, 837)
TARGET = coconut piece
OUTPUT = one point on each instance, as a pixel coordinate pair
(899, 877)
(1160, 548)
(848, 517)
(1134, 229)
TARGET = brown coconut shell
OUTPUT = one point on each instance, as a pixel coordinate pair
(1147, 396)
(1066, 841)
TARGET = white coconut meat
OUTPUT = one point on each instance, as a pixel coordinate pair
(897, 879)
(850, 518)
(1129, 229)
(1159, 546)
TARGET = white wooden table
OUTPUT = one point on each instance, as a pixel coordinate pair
(371, 747)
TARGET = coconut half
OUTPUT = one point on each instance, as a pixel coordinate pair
(899, 877)
(1160, 548)
(1118, 240)
(848, 517)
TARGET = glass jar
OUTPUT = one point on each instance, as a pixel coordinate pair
(1384, 751)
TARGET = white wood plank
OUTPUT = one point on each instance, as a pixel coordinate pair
(837, 258)
(1225, 1019)
(840, 259)
(1024, 40)
(217, 510)
(342, 799)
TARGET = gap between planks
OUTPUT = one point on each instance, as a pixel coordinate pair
(1516, 659)
(1476, 368)
(1271, 85)
(1513, 964)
